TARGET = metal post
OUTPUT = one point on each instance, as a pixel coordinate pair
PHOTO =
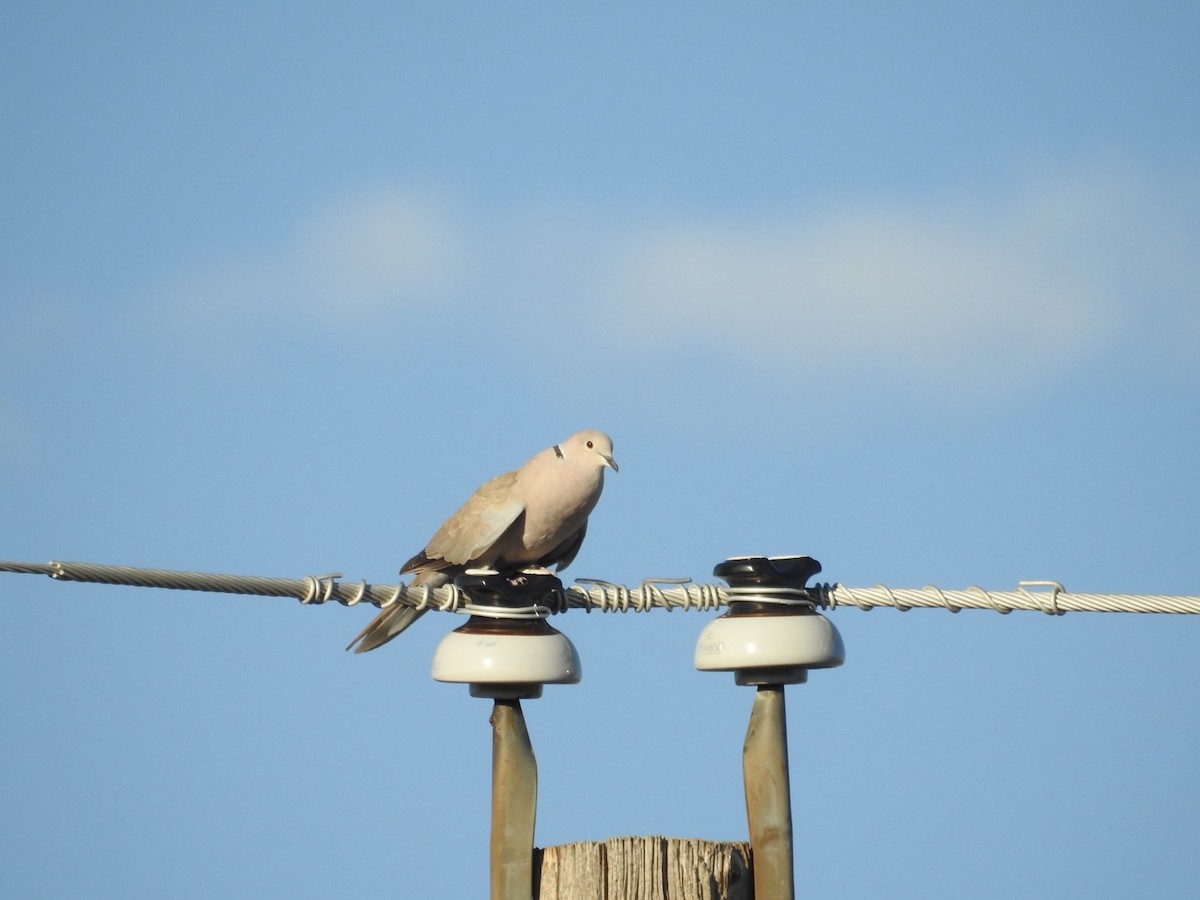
(768, 795)
(514, 803)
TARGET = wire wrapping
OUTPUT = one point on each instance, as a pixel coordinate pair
(1048, 597)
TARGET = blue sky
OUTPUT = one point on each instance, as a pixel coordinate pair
(913, 291)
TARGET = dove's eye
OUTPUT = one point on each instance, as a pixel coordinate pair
(590, 445)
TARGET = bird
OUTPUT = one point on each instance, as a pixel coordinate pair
(533, 517)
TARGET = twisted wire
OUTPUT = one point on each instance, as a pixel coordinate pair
(1048, 597)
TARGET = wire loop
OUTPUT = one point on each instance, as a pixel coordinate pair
(1051, 608)
(319, 588)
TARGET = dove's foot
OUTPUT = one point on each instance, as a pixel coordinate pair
(521, 576)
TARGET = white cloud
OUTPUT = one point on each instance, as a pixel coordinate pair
(964, 290)
(969, 289)
(376, 251)
(349, 263)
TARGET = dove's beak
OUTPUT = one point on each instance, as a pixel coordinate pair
(610, 462)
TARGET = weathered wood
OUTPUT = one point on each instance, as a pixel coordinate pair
(514, 803)
(644, 868)
(768, 795)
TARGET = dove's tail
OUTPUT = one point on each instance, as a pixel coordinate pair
(393, 620)
(384, 627)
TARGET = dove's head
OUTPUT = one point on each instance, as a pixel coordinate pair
(591, 445)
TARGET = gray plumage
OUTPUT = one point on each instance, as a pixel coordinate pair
(535, 516)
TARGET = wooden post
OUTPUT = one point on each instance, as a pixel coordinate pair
(768, 795)
(645, 868)
(514, 803)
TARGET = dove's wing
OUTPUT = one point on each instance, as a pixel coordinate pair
(566, 551)
(470, 534)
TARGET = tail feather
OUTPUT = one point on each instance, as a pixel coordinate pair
(396, 618)
(384, 627)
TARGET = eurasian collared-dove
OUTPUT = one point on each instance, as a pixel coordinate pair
(535, 516)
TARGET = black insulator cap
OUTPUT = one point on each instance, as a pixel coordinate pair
(768, 572)
(510, 590)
